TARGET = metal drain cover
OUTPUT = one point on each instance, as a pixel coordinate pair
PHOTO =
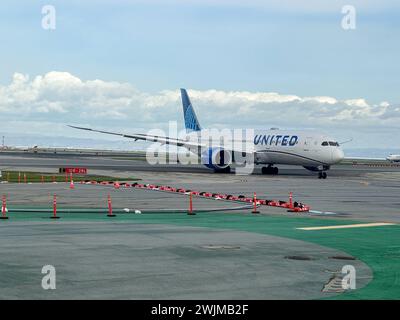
(342, 258)
(303, 258)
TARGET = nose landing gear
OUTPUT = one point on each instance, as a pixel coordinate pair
(320, 169)
(322, 175)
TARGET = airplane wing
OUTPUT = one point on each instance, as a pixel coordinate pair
(146, 137)
(193, 143)
(190, 144)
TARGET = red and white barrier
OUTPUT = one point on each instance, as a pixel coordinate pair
(292, 206)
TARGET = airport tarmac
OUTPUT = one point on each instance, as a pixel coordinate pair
(356, 192)
(220, 255)
(38, 195)
(27, 160)
(125, 260)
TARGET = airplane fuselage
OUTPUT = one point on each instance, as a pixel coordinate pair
(304, 148)
(393, 158)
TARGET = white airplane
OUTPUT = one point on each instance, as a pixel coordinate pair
(314, 151)
(393, 158)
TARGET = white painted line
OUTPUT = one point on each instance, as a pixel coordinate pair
(361, 225)
(322, 212)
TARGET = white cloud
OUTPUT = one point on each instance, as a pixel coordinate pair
(62, 98)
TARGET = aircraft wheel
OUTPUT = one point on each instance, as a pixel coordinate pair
(269, 170)
(264, 170)
(322, 175)
(225, 170)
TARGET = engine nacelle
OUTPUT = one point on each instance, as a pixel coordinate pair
(216, 158)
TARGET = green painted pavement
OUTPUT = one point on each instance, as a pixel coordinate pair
(378, 247)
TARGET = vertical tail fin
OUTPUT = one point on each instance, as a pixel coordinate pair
(191, 122)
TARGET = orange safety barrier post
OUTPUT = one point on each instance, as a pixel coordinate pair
(110, 212)
(71, 184)
(255, 204)
(24, 177)
(291, 207)
(3, 209)
(190, 212)
(54, 216)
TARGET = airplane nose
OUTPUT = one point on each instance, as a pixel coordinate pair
(337, 155)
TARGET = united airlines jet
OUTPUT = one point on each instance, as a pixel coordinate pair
(393, 158)
(312, 150)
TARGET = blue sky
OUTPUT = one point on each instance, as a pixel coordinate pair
(289, 47)
(208, 46)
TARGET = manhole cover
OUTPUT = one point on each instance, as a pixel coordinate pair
(342, 258)
(304, 258)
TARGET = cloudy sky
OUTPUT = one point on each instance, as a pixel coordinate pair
(118, 65)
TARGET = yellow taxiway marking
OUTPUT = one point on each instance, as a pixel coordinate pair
(361, 225)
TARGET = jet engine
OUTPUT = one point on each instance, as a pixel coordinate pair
(216, 158)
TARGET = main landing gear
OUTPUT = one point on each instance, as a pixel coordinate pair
(269, 170)
(322, 175)
(225, 170)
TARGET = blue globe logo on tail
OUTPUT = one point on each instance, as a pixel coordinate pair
(191, 122)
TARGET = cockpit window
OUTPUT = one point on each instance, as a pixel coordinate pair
(330, 143)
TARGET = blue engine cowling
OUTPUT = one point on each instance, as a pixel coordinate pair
(216, 158)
